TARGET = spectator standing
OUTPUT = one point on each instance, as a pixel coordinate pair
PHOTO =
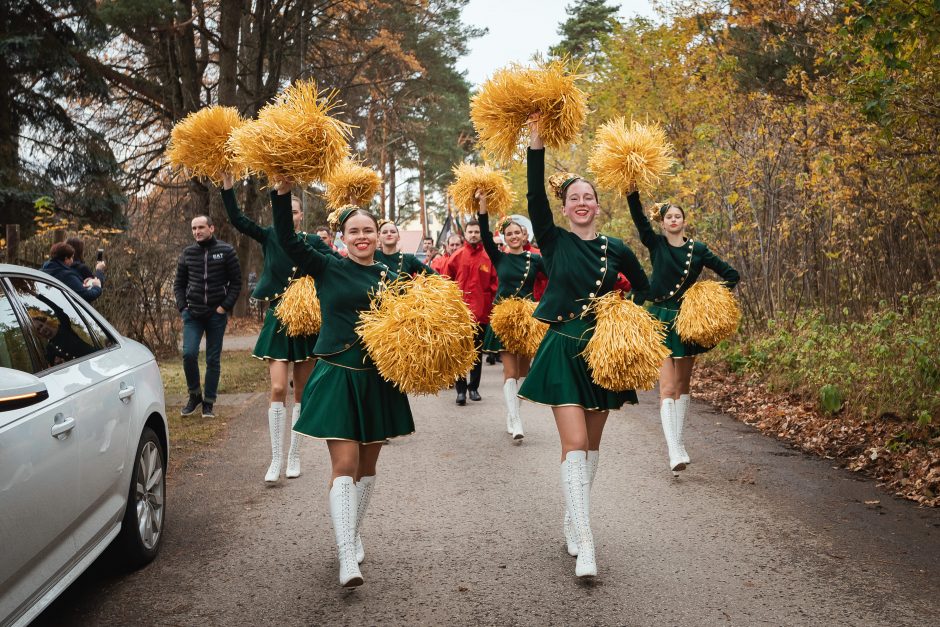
(59, 265)
(439, 264)
(79, 263)
(473, 271)
(208, 281)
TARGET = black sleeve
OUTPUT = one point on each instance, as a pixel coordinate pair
(239, 220)
(543, 223)
(307, 257)
(492, 250)
(77, 285)
(721, 268)
(181, 281)
(631, 268)
(233, 272)
(642, 223)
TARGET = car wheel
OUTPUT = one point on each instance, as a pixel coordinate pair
(142, 527)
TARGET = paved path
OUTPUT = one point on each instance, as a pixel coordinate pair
(465, 528)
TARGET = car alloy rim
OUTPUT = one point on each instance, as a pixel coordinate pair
(149, 495)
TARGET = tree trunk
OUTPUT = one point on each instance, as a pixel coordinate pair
(392, 209)
(230, 22)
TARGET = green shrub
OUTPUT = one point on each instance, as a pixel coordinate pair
(886, 363)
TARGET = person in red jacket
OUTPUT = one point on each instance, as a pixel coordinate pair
(439, 265)
(473, 271)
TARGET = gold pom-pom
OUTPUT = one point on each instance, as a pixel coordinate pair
(198, 143)
(469, 178)
(557, 182)
(515, 327)
(352, 184)
(427, 311)
(299, 308)
(500, 110)
(294, 137)
(708, 314)
(627, 349)
(630, 156)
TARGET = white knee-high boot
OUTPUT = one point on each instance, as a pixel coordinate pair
(343, 504)
(276, 414)
(293, 453)
(571, 535)
(513, 420)
(510, 387)
(682, 408)
(667, 414)
(576, 483)
(364, 486)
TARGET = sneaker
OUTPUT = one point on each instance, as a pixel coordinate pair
(194, 401)
(207, 410)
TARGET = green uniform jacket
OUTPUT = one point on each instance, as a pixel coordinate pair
(278, 266)
(403, 263)
(675, 268)
(578, 269)
(516, 273)
(344, 287)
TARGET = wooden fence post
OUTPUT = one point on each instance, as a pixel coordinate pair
(13, 242)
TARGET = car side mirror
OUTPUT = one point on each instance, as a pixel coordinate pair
(20, 389)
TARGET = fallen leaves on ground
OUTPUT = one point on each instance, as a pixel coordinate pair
(884, 449)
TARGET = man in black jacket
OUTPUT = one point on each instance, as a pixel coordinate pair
(208, 280)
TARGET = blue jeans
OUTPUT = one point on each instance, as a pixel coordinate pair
(214, 329)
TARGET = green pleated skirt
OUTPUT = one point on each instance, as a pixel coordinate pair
(667, 312)
(274, 342)
(347, 399)
(560, 377)
(491, 342)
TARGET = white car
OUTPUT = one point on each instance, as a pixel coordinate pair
(83, 443)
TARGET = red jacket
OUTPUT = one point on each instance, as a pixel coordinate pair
(473, 271)
(439, 263)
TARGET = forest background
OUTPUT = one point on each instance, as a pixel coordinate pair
(806, 135)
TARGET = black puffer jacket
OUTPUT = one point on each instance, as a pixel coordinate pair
(207, 276)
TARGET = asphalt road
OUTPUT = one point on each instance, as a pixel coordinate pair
(465, 528)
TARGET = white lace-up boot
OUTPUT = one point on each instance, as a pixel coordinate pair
(576, 483)
(293, 453)
(343, 504)
(510, 387)
(571, 535)
(682, 408)
(667, 414)
(364, 487)
(513, 419)
(276, 415)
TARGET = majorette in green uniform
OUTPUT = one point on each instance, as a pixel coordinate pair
(346, 401)
(677, 263)
(274, 345)
(516, 272)
(581, 265)
(397, 261)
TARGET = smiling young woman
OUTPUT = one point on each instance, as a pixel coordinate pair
(275, 345)
(582, 265)
(356, 410)
(387, 252)
(517, 271)
(678, 260)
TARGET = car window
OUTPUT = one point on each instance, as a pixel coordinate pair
(14, 352)
(61, 332)
(104, 338)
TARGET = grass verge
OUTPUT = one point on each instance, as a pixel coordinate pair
(241, 373)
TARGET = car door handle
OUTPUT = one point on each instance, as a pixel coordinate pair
(62, 425)
(126, 392)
